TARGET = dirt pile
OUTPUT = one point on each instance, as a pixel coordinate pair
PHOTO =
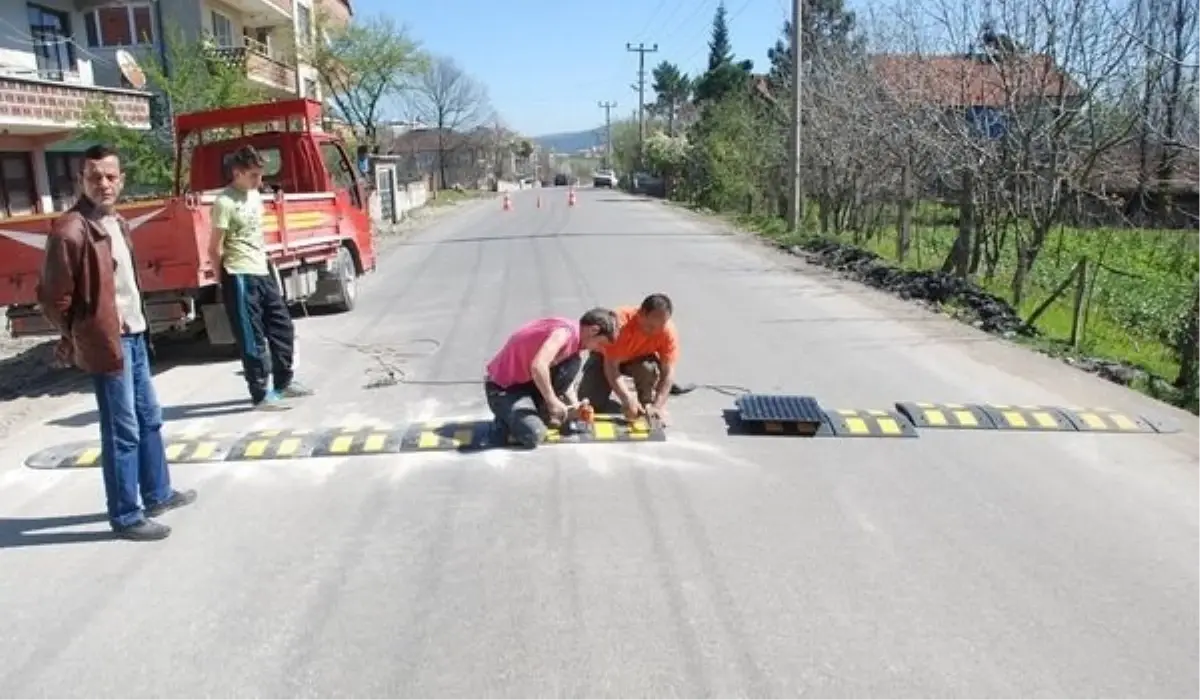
(975, 306)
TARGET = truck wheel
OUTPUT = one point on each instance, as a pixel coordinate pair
(347, 282)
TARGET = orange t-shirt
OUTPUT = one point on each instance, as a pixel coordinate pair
(632, 343)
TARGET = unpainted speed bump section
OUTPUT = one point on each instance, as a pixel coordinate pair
(343, 442)
(765, 414)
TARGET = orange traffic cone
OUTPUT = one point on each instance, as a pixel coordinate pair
(507, 202)
(571, 198)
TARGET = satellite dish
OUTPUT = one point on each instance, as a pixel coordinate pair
(130, 69)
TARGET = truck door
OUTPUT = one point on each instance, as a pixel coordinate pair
(342, 171)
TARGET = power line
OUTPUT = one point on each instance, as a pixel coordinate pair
(641, 51)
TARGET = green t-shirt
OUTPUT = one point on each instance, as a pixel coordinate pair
(240, 215)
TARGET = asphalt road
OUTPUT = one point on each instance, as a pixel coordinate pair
(958, 564)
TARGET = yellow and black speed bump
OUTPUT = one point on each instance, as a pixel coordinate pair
(946, 415)
(1103, 420)
(873, 422)
(1027, 418)
(341, 442)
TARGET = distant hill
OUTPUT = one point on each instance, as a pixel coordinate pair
(570, 141)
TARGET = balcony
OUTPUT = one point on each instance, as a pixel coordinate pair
(262, 13)
(31, 106)
(260, 66)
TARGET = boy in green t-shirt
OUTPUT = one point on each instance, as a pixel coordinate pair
(259, 318)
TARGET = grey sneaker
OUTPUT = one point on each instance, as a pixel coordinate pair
(271, 402)
(178, 499)
(294, 390)
(143, 531)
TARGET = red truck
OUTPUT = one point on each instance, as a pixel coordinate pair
(318, 230)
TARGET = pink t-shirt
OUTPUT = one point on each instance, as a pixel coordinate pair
(511, 365)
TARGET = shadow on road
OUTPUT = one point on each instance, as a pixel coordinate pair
(694, 237)
(32, 373)
(170, 413)
(27, 532)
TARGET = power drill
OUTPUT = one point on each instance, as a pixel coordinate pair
(582, 421)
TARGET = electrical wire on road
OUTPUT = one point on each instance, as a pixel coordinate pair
(388, 360)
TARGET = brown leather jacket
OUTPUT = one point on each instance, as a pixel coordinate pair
(77, 290)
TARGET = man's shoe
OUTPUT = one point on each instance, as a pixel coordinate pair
(178, 499)
(143, 531)
(271, 402)
(294, 390)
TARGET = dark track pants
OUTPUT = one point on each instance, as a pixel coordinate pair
(263, 328)
(521, 410)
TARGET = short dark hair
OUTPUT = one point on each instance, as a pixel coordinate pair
(99, 151)
(603, 320)
(657, 302)
(245, 158)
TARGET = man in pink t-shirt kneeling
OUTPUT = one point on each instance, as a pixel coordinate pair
(531, 381)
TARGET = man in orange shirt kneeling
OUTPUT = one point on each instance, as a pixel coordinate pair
(646, 350)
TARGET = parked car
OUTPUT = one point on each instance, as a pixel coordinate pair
(604, 178)
(560, 180)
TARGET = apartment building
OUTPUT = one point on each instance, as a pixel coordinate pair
(46, 83)
(57, 56)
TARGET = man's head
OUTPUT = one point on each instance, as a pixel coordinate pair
(597, 328)
(100, 177)
(246, 166)
(654, 313)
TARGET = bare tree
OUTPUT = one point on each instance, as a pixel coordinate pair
(452, 102)
(363, 65)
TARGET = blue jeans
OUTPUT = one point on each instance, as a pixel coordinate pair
(132, 454)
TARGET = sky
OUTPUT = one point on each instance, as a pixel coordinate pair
(547, 64)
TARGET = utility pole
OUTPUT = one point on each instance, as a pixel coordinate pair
(608, 108)
(641, 52)
(796, 200)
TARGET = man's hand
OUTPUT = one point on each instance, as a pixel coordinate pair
(556, 411)
(632, 408)
(64, 353)
(658, 414)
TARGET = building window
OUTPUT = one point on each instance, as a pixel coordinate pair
(310, 89)
(304, 30)
(61, 169)
(50, 32)
(18, 195)
(222, 29)
(129, 25)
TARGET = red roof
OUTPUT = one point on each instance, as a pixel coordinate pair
(962, 81)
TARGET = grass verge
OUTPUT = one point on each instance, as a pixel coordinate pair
(1137, 294)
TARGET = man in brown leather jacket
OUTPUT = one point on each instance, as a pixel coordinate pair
(90, 291)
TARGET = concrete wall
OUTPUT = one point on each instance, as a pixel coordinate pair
(391, 199)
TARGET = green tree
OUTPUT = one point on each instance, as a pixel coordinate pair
(732, 163)
(192, 79)
(671, 89)
(363, 66)
(829, 30)
(725, 75)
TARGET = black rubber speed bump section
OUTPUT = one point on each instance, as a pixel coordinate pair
(851, 422)
(780, 414)
(946, 415)
(1103, 420)
(1028, 418)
